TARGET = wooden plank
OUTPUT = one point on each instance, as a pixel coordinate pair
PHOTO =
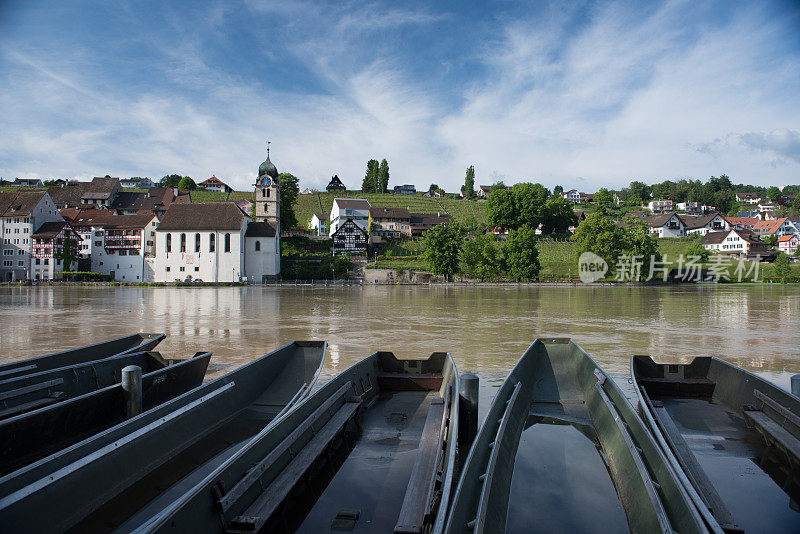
(782, 410)
(776, 433)
(252, 476)
(692, 468)
(410, 381)
(273, 495)
(421, 485)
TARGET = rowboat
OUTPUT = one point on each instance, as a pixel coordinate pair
(35, 390)
(373, 450)
(733, 436)
(133, 343)
(137, 465)
(32, 435)
(561, 449)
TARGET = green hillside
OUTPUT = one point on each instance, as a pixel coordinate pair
(459, 209)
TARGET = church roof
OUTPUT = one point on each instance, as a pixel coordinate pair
(268, 169)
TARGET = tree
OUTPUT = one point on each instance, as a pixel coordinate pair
(558, 215)
(187, 184)
(774, 193)
(469, 182)
(171, 180)
(289, 190)
(770, 240)
(371, 183)
(68, 254)
(529, 203)
(781, 266)
(433, 188)
(442, 248)
(604, 200)
(383, 175)
(640, 189)
(696, 250)
(500, 209)
(796, 203)
(480, 256)
(633, 201)
(521, 254)
(557, 190)
(600, 235)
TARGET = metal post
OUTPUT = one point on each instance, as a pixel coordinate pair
(468, 410)
(132, 386)
(796, 385)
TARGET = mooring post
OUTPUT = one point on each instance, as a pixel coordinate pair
(468, 410)
(796, 385)
(132, 386)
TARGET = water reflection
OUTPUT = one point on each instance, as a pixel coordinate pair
(485, 328)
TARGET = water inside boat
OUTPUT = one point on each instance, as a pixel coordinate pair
(561, 482)
(759, 493)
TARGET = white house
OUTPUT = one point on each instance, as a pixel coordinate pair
(121, 246)
(21, 214)
(215, 184)
(748, 198)
(780, 227)
(319, 223)
(355, 209)
(660, 206)
(573, 195)
(736, 241)
(666, 225)
(213, 242)
(136, 183)
(48, 243)
(788, 243)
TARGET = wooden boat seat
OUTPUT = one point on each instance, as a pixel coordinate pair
(270, 494)
(679, 387)
(772, 424)
(419, 499)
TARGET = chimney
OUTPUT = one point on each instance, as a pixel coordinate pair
(174, 191)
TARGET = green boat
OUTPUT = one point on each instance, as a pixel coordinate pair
(373, 450)
(733, 437)
(561, 449)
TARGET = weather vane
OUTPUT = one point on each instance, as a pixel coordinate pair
(268, 142)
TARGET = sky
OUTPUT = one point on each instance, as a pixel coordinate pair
(578, 94)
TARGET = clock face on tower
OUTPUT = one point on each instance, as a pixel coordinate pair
(266, 181)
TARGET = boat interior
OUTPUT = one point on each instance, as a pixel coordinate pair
(734, 435)
(371, 451)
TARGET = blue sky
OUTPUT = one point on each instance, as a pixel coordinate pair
(582, 94)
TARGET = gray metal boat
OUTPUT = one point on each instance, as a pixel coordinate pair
(35, 390)
(562, 450)
(32, 435)
(98, 351)
(374, 450)
(139, 465)
(733, 436)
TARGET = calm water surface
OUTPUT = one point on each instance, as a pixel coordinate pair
(485, 328)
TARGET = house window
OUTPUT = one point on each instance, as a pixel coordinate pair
(167, 269)
(227, 242)
(8, 263)
(197, 269)
(21, 263)
(183, 269)
(197, 242)
(263, 192)
(183, 242)
(169, 242)
(38, 261)
(211, 242)
(258, 246)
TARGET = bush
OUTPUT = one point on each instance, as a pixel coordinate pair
(85, 276)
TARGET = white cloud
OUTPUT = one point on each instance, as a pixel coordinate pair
(621, 97)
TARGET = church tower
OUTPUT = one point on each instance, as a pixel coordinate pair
(268, 193)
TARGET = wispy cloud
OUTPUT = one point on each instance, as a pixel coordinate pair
(597, 95)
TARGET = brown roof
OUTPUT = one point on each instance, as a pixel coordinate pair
(49, 229)
(789, 237)
(352, 203)
(429, 218)
(213, 181)
(260, 229)
(322, 216)
(19, 204)
(714, 238)
(155, 199)
(742, 221)
(207, 216)
(110, 219)
(103, 184)
(390, 213)
(698, 221)
(68, 194)
(660, 220)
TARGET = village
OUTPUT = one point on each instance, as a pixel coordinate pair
(137, 231)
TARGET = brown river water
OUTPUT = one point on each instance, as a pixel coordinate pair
(485, 328)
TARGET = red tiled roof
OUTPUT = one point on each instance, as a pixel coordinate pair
(784, 238)
(768, 227)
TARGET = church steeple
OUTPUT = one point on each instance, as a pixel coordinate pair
(268, 192)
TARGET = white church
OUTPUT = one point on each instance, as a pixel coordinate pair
(218, 242)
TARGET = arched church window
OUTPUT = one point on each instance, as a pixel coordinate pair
(211, 242)
(183, 242)
(227, 242)
(169, 242)
(197, 242)
(258, 246)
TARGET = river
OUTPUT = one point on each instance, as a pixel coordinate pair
(485, 328)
